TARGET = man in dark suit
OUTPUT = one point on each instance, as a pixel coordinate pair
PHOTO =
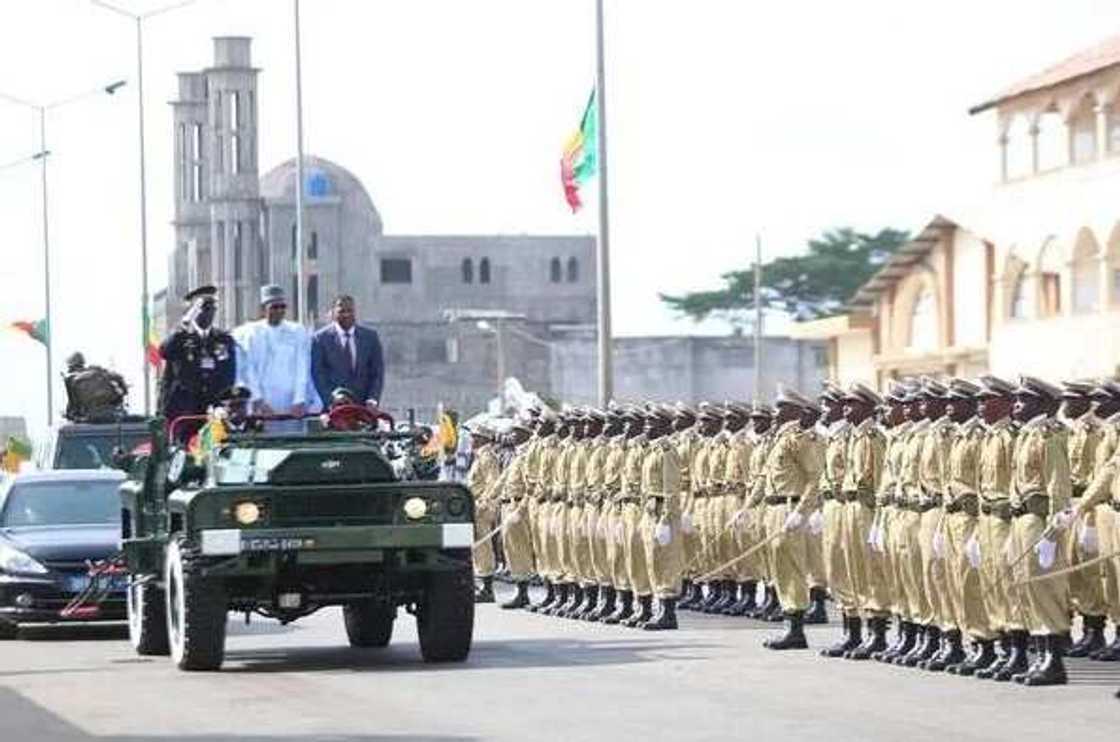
(345, 354)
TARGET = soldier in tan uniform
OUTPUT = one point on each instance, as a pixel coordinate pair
(513, 491)
(554, 519)
(540, 480)
(661, 519)
(1040, 498)
(997, 398)
(716, 528)
(481, 478)
(744, 573)
(594, 557)
(633, 507)
(620, 432)
(1086, 434)
(570, 528)
(790, 485)
(710, 427)
(687, 439)
(837, 436)
(863, 471)
(762, 426)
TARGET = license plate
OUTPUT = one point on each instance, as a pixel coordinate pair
(288, 543)
(78, 583)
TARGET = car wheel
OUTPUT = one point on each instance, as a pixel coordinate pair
(445, 619)
(147, 619)
(369, 623)
(196, 612)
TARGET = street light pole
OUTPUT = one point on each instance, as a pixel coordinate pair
(606, 377)
(301, 287)
(46, 266)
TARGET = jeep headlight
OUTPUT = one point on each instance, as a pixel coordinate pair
(415, 508)
(247, 513)
(16, 562)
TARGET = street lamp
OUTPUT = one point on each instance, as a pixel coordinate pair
(41, 156)
(488, 320)
(145, 318)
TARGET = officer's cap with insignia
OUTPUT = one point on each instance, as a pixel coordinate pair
(594, 414)
(761, 410)
(832, 393)
(235, 393)
(963, 389)
(481, 431)
(1108, 388)
(736, 411)
(794, 398)
(202, 292)
(521, 427)
(684, 412)
(994, 386)
(709, 411)
(898, 392)
(548, 414)
(1036, 387)
(860, 392)
(661, 412)
(932, 388)
(1077, 389)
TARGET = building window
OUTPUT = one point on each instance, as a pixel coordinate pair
(313, 248)
(220, 250)
(237, 256)
(555, 272)
(431, 351)
(234, 111)
(484, 270)
(196, 183)
(1020, 297)
(467, 269)
(238, 305)
(1053, 145)
(573, 270)
(452, 350)
(396, 270)
(196, 143)
(1050, 297)
(235, 153)
(313, 296)
(184, 165)
(1115, 286)
(264, 272)
(1084, 134)
(923, 322)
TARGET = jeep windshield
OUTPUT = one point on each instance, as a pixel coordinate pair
(94, 450)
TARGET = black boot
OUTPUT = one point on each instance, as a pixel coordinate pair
(589, 604)
(739, 607)
(625, 607)
(548, 600)
(686, 595)
(1018, 661)
(520, 599)
(876, 641)
(853, 629)
(574, 604)
(1003, 654)
(908, 637)
(794, 638)
(731, 600)
(486, 593)
(748, 601)
(952, 652)
(695, 597)
(726, 597)
(715, 594)
(769, 598)
(1051, 671)
(1111, 653)
(1036, 654)
(1092, 637)
(607, 604)
(927, 649)
(777, 613)
(562, 593)
(817, 613)
(666, 616)
(984, 656)
(644, 614)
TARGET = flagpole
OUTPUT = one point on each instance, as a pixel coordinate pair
(758, 316)
(301, 285)
(606, 391)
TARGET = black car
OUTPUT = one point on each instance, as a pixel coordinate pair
(51, 524)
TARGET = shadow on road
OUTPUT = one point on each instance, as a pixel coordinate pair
(74, 632)
(515, 654)
(22, 720)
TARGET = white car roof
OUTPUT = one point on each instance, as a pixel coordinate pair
(69, 475)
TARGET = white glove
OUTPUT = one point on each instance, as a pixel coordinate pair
(881, 541)
(816, 523)
(939, 545)
(514, 516)
(1047, 550)
(793, 521)
(618, 533)
(740, 517)
(1061, 520)
(686, 523)
(663, 534)
(1088, 539)
(873, 537)
(972, 551)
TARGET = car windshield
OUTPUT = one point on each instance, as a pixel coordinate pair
(93, 451)
(61, 503)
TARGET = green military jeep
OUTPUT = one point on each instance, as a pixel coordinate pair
(283, 525)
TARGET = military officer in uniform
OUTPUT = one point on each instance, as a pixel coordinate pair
(481, 480)
(661, 519)
(633, 505)
(93, 394)
(687, 438)
(539, 471)
(837, 436)
(592, 549)
(762, 419)
(199, 360)
(619, 432)
(517, 539)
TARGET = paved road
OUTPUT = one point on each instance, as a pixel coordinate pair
(528, 678)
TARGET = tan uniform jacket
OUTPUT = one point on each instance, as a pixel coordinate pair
(1085, 436)
(964, 460)
(890, 484)
(595, 468)
(660, 467)
(910, 484)
(737, 467)
(577, 471)
(612, 468)
(793, 466)
(864, 466)
(933, 466)
(1040, 465)
(756, 472)
(835, 457)
(632, 467)
(996, 450)
(483, 474)
(1105, 466)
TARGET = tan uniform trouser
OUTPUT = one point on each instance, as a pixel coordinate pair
(579, 517)
(485, 519)
(693, 543)
(908, 558)
(1108, 533)
(704, 561)
(664, 562)
(994, 533)
(553, 567)
(756, 520)
(933, 572)
(968, 605)
(832, 553)
(560, 541)
(634, 550)
(517, 540)
(1085, 586)
(866, 567)
(616, 557)
(747, 534)
(818, 573)
(711, 533)
(728, 506)
(1046, 602)
(596, 555)
(888, 520)
(789, 555)
(538, 532)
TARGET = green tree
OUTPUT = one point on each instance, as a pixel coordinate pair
(815, 284)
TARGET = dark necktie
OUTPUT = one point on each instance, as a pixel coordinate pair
(348, 346)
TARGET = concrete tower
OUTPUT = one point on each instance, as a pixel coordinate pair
(190, 258)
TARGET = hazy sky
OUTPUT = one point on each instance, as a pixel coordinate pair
(726, 117)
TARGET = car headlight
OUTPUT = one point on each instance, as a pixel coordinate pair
(15, 561)
(247, 513)
(415, 508)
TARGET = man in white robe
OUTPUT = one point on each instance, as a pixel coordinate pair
(274, 361)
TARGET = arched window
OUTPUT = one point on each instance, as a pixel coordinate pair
(573, 270)
(467, 270)
(484, 270)
(555, 272)
(1086, 273)
(1083, 132)
(313, 247)
(923, 322)
(1020, 297)
(1050, 279)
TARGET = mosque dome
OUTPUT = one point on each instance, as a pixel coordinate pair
(323, 180)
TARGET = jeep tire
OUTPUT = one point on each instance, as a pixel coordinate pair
(445, 618)
(369, 623)
(147, 619)
(196, 611)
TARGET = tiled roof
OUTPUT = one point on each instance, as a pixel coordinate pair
(1095, 58)
(901, 262)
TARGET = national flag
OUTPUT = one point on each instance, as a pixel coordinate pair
(16, 451)
(581, 160)
(151, 342)
(37, 330)
(212, 434)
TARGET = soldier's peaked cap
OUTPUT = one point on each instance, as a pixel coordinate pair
(899, 393)
(993, 386)
(1107, 388)
(202, 292)
(963, 389)
(481, 430)
(933, 388)
(1077, 389)
(860, 392)
(761, 409)
(737, 410)
(683, 411)
(787, 396)
(832, 393)
(709, 411)
(1036, 387)
(594, 413)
